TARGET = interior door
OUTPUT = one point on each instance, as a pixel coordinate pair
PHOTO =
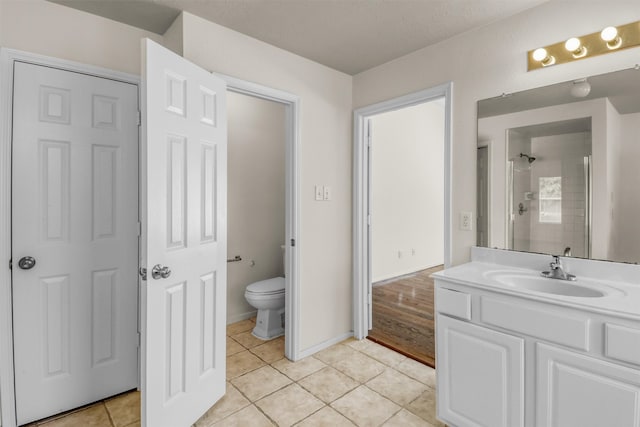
(184, 295)
(75, 239)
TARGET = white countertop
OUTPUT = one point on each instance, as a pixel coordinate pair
(622, 297)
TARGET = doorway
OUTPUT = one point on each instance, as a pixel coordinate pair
(407, 226)
(9, 57)
(364, 215)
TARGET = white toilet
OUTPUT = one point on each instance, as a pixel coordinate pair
(267, 296)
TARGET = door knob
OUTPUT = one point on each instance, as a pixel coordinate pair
(27, 262)
(158, 271)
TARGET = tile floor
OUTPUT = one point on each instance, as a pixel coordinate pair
(353, 383)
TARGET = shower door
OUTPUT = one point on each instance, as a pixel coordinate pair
(549, 194)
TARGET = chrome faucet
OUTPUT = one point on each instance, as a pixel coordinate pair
(557, 271)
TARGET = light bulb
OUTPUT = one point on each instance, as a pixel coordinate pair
(610, 35)
(574, 45)
(541, 55)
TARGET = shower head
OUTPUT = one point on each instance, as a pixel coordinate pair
(531, 159)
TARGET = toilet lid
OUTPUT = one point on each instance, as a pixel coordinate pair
(269, 286)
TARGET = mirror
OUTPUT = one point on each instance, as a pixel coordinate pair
(559, 169)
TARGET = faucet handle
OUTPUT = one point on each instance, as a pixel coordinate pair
(556, 262)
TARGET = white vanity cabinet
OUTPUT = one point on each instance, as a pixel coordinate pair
(509, 360)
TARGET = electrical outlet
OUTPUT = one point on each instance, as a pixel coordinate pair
(319, 192)
(465, 221)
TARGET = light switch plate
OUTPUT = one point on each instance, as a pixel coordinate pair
(319, 192)
(327, 193)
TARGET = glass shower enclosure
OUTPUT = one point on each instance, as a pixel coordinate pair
(549, 188)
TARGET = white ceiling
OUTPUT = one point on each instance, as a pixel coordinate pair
(347, 35)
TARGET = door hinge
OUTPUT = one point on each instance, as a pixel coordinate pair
(139, 229)
(293, 242)
(139, 118)
(11, 264)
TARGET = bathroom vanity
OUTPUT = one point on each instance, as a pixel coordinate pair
(518, 349)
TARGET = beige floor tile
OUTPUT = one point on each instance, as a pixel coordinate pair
(241, 363)
(136, 424)
(359, 345)
(93, 416)
(359, 367)
(418, 371)
(425, 407)
(300, 369)
(261, 382)
(249, 416)
(405, 418)
(326, 417)
(335, 353)
(289, 405)
(124, 409)
(397, 386)
(328, 384)
(383, 354)
(239, 327)
(231, 402)
(233, 347)
(365, 407)
(270, 351)
(247, 340)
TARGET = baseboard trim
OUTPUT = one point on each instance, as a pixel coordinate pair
(326, 344)
(242, 316)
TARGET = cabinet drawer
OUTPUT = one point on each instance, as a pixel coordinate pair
(539, 323)
(622, 343)
(453, 303)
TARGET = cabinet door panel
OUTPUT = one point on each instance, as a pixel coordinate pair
(480, 375)
(576, 390)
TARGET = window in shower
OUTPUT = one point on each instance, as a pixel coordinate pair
(550, 191)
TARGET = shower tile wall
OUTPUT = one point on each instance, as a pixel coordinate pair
(563, 156)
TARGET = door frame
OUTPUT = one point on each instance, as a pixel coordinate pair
(7, 59)
(361, 194)
(291, 103)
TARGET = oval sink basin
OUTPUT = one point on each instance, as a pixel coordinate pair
(548, 286)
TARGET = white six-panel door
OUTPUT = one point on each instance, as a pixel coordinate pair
(184, 306)
(75, 211)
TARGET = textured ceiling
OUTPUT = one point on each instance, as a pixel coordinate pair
(347, 35)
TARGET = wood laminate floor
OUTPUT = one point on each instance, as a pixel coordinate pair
(403, 317)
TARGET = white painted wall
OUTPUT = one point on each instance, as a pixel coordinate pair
(255, 196)
(407, 190)
(625, 229)
(324, 243)
(487, 62)
(50, 29)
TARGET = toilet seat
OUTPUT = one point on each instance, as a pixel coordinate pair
(273, 286)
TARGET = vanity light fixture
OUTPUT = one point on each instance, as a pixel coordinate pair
(611, 39)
